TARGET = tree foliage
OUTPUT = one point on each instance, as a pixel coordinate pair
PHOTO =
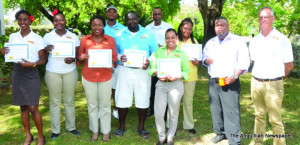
(243, 15)
(79, 12)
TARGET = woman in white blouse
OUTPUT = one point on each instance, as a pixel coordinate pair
(25, 77)
(61, 76)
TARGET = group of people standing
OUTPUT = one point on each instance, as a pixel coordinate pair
(225, 55)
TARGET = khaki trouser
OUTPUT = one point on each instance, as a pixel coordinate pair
(56, 84)
(187, 99)
(267, 97)
(167, 93)
(98, 95)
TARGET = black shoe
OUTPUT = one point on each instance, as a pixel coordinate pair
(218, 138)
(161, 143)
(75, 132)
(150, 114)
(54, 136)
(192, 131)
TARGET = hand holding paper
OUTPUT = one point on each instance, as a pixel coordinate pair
(134, 58)
(16, 52)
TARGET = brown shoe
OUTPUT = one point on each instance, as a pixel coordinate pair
(94, 137)
(105, 138)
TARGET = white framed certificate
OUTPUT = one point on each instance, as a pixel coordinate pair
(135, 58)
(100, 58)
(17, 52)
(192, 51)
(171, 67)
(64, 48)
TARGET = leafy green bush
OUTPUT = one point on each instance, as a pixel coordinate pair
(5, 68)
(296, 52)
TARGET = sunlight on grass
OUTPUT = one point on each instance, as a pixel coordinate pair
(12, 132)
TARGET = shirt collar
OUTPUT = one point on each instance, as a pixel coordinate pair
(30, 33)
(176, 49)
(229, 36)
(90, 36)
(141, 30)
(272, 33)
(114, 26)
(54, 33)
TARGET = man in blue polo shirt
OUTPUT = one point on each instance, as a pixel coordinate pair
(111, 28)
(112, 25)
(133, 81)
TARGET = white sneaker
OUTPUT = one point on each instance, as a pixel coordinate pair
(99, 114)
(115, 114)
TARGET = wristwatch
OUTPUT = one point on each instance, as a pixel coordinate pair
(235, 76)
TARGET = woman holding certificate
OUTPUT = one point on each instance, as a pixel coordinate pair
(25, 77)
(170, 65)
(185, 36)
(98, 53)
(61, 73)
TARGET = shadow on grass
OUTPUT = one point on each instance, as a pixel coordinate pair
(12, 132)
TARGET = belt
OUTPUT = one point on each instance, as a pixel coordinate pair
(267, 80)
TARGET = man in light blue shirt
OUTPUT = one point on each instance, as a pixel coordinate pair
(112, 25)
(133, 81)
(111, 28)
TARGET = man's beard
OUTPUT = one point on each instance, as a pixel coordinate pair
(133, 29)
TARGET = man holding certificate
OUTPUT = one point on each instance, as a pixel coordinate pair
(98, 53)
(226, 56)
(134, 45)
(170, 65)
(61, 73)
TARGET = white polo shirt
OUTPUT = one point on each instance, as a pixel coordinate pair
(269, 54)
(57, 64)
(34, 40)
(229, 56)
(159, 31)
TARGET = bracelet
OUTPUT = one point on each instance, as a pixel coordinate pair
(34, 65)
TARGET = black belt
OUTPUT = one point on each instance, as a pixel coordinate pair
(267, 80)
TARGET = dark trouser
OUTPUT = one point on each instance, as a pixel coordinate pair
(152, 96)
(225, 109)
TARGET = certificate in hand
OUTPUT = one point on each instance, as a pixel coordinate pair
(192, 51)
(17, 52)
(171, 67)
(99, 58)
(64, 48)
(135, 58)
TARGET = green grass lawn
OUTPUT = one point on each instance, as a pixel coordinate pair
(12, 132)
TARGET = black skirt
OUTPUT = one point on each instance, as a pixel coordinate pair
(25, 85)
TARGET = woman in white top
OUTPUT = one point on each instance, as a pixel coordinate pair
(25, 77)
(61, 76)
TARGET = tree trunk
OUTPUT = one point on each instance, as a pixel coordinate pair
(45, 13)
(209, 15)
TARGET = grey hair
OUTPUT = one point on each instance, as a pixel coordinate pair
(272, 11)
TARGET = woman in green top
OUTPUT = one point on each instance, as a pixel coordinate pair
(185, 36)
(169, 90)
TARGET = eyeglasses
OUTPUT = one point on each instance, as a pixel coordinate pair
(262, 18)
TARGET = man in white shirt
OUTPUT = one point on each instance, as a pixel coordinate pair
(226, 56)
(272, 57)
(159, 28)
